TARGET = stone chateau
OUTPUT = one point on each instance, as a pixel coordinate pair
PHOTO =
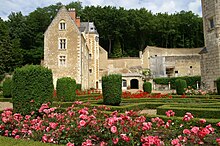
(210, 55)
(71, 49)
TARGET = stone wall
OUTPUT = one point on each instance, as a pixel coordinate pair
(210, 66)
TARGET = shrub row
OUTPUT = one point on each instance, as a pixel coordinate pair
(147, 86)
(180, 86)
(197, 112)
(191, 81)
(111, 88)
(32, 86)
(66, 88)
(7, 87)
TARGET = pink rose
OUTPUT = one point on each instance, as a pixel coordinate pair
(82, 123)
(70, 144)
(186, 131)
(115, 140)
(113, 129)
(175, 142)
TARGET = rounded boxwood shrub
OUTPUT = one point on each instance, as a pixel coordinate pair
(218, 85)
(78, 87)
(147, 87)
(32, 86)
(66, 88)
(180, 86)
(7, 85)
(112, 89)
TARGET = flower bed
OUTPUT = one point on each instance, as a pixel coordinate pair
(83, 125)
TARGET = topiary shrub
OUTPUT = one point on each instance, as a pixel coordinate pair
(180, 86)
(32, 86)
(147, 87)
(218, 85)
(78, 87)
(66, 88)
(111, 89)
(7, 85)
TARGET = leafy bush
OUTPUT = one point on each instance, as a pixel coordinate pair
(111, 88)
(2, 76)
(180, 86)
(147, 87)
(78, 87)
(32, 86)
(66, 88)
(191, 81)
(7, 85)
(218, 85)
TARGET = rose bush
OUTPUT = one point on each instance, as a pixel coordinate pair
(82, 125)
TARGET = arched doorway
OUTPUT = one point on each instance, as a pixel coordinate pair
(134, 84)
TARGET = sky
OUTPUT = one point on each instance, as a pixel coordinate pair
(156, 6)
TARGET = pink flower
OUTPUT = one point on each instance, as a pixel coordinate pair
(218, 141)
(186, 131)
(44, 138)
(113, 129)
(195, 129)
(188, 116)
(151, 140)
(202, 121)
(170, 113)
(115, 140)
(125, 138)
(43, 106)
(82, 123)
(53, 125)
(146, 126)
(218, 124)
(87, 143)
(175, 142)
(70, 144)
(17, 137)
(103, 143)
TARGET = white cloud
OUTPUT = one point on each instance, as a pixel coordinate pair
(156, 6)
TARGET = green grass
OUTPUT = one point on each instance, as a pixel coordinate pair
(7, 141)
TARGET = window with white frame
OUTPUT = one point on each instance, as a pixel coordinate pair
(62, 60)
(62, 25)
(62, 43)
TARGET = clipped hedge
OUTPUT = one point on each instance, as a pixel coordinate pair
(191, 81)
(218, 85)
(7, 86)
(180, 111)
(32, 86)
(66, 88)
(112, 89)
(181, 85)
(147, 87)
(78, 87)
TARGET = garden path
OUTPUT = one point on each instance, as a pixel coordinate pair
(4, 105)
(149, 111)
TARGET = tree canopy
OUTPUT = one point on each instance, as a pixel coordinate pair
(122, 32)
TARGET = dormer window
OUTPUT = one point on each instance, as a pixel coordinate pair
(62, 25)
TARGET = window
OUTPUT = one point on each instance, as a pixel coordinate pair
(62, 43)
(124, 83)
(176, 72)
(90, 70)
(191, 67)
(90, 56)
(62, 25)
(211, 23)
(62, 60)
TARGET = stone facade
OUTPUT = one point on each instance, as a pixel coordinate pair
(71, 49)
(210, 62)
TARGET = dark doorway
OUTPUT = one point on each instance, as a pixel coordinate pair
(97, 85)
(134, 84)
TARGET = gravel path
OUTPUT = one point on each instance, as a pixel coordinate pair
(149, 111)
(4, 105)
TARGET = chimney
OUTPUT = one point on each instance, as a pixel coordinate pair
(72, 13)
(77, 21)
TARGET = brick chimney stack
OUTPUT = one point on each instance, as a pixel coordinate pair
(72, 13)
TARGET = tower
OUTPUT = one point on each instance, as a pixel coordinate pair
(210, 55)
